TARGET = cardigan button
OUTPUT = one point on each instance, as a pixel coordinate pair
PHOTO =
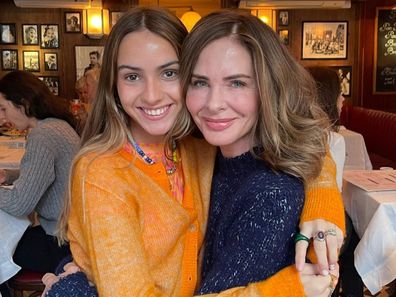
(192, 228)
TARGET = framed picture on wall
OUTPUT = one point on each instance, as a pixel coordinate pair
(9, 59)
(384, 72)
(115, 16)
(283, 19)
(324, 40)
(284, 36)
(52, 83)
(50, 61)
(30, 34)
(87, 57)
(49, 36)
(31, 61)
(73, 22)
(8, 34)
(345, 74)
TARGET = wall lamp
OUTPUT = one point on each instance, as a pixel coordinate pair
(95, 22)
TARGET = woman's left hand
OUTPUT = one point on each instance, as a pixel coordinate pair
(327, 240)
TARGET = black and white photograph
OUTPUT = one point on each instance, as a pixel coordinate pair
(284, 36)
(345, 75)
(30, 34)
(31, 61)
(50, 61)
(49, 36)
(283, 18)
(8, 34)
(324, 40)
(52, 82)
(87, 57)
(73, 22)
(9, 59)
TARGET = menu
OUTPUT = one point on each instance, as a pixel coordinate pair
(372, 180)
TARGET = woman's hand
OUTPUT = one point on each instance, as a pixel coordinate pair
(49, 279)
(318, 285)
(327, 240)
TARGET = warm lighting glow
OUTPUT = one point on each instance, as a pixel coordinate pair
(189, 19)
(264, 19)
(96, 22)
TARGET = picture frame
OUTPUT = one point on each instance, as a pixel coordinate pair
(8, 33)
(284, 36)
(31, 61)
(324, 40)
(51, 61)
(73, 22)
(87, 57)
(283, 19)
(115, 16)
(30, 34)
(9, 59)
(345, 74)
(49, 34)
(52, 82)
(384, 74)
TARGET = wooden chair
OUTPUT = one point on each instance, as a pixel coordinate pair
(28, 281)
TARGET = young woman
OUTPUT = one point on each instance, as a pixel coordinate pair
(137, 215)
(40, 183)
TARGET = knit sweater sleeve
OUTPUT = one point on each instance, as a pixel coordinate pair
(323, 199)
(36, 175)
(108, 229)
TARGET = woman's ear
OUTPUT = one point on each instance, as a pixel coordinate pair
(25, 106)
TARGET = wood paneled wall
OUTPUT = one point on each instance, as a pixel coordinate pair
(360, 17)
(385, 102)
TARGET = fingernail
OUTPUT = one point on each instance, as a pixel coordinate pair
(325, 272)
(332, 267)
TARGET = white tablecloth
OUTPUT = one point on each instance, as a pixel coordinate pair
(11, 228)
(11, 231)
(356, 157)
(373, 215)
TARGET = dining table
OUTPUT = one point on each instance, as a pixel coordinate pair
(12, 228)
(373, 214)
(356, 155)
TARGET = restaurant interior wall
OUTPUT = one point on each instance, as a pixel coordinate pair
(359, 17)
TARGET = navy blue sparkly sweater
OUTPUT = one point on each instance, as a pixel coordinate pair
(254, 214)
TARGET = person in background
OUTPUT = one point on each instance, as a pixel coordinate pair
(331, 101)
(41, 181)
(94, 58)
(91, 84)
(73, 24)
(131, 170)
(248, 96)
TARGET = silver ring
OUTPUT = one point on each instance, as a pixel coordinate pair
(331, 232)
(320, 236)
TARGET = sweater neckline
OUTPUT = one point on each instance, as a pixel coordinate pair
(242, 163)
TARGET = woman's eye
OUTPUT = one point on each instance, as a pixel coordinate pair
(170, 74)
(131, 77)
(198, 83)
(238, 84)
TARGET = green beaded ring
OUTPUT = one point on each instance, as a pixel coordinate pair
(299, 237)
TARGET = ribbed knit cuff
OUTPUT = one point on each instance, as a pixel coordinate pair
(333, 211)
(284, 283)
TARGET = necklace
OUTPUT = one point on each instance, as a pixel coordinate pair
(170, 166)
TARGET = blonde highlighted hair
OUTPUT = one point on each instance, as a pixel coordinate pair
(107, 125)
(290, 126)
